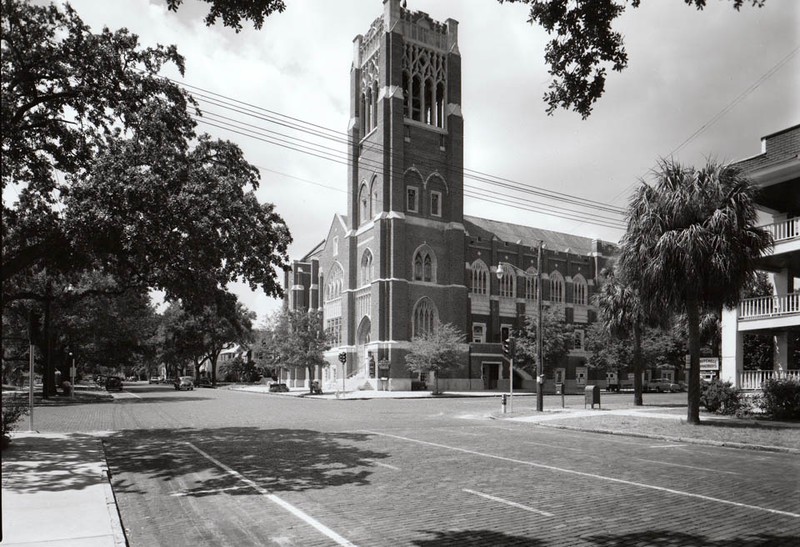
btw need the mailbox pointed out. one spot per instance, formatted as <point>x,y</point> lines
<point>592,396</point>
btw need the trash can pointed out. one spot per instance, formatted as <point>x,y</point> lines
<point>592,396</point>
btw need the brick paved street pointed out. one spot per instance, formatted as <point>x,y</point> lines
<point>233,468</point>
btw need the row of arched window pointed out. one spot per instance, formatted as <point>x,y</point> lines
<point>507,284</point>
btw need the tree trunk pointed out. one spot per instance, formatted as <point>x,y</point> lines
<point>693,323</point>
<point>637,365</point>
<point>214,372</point>
<point>310,369</point>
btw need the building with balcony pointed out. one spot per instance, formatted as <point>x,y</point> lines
<point>776,171</point>
<point>405,256</point>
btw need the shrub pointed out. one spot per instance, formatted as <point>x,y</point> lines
<point>721,397</point>
<point>15,406</point>
<point>780,398</point>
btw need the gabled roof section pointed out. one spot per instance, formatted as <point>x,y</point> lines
<point>319,247</point>
<point>528,235</point>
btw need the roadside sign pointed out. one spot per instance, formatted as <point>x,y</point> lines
<point>706,363</point>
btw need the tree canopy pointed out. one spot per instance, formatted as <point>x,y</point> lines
<point>109,174</point>
<point>557,339</point>
<point>297,340</point>
<point>437,350</point>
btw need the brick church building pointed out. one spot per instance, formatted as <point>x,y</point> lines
<point>406,257</point>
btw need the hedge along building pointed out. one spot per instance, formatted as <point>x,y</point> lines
<point>405,257</point>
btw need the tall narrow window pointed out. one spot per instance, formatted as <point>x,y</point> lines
<point>480,278</point>
<point>440,105</point>
<point>363,203</point>
<point>411,199</point>
<point>436,204</point>
<point>556,287</point>
<point>416,98</point>
<point>579,290</point>
<point>428,103</point>
<point>366,268</point>
<point>530,284</point>
<point>374,116</point>
<point>406,95</point>
<point>508,283</point>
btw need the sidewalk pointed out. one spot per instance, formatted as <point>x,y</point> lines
<point>55,492</point>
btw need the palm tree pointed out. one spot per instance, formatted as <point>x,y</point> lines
<point>623,315</point>
<point>693,244</point>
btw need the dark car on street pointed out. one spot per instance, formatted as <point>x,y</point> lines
<point>113,383</point>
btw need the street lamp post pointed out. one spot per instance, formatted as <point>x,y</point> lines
<point>539,330</point>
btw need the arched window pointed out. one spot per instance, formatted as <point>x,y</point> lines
<point>556,287</point>
<point>530,284</point>
<point>425,317</point>
<point>374,116</point>
<point>480,278</point>
<point>333,289</point>
<point>580,290</point>
<point>424,265</point>
<point>363,120</point>
<point>366,267</point>
<point>508,283</point>
<point>363,203</point>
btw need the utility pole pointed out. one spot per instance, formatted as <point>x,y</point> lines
<point>539,330</point>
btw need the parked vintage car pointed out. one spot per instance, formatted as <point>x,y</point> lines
<point>113,383</point>
<point>154,380</point>
<point>662,385</point>
<point>184,382</point>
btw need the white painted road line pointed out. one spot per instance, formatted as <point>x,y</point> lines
<point>507,502</point>
<point>666,446</point>
<point>376,462</point>
<point>275,499</point>
<point>687,466</point>
<point>589,475</point>
<point>551,446</point>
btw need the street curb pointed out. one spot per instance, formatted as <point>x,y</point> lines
<point>117,530</point>
<point>689,440</point>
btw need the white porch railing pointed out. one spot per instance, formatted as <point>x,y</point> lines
<point>782,231</point>
<point>753,379</point>
<point>769,306</point>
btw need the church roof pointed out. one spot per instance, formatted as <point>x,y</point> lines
<point>528,235</point>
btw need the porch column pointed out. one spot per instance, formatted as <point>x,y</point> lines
<point>731,348</point>
<point>781,359</point>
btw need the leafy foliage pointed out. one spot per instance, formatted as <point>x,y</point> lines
<point>693,242</point>
<point>439,350</point>
<point>232,12</point>
<point>109,173</point>
<point>15,406</point>
<point>780,398</point>
<point>297,339</point>
<point>584,47</point>
<point>557,336</point>
<point>194,336</point>
<point>721,397</point>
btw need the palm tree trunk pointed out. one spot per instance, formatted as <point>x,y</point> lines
<point>693,323</point>
<point>637,365</point>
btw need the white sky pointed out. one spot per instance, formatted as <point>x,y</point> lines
<point>685,68</point>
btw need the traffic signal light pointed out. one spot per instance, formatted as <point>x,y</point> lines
<point>507,348</point>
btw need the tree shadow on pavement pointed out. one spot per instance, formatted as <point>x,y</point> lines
<point>474,538</point>
<point>663,538</point>
<point>277,460</point>
<point>52,463</point>
<point>164,399</point>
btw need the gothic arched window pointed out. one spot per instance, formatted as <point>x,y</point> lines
<point>335,283</point>
<point>366,267</point>
<point>556,287</point>
<point>425,317</point>
<point>363,203</point>
<point>424,265</point>
<point>480,278</point>
<point>508,283</point>
<point>580,290</point>
<point>530,284</point>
